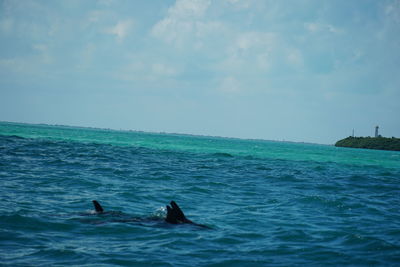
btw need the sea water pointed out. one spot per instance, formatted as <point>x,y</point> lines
<point>267,203</point>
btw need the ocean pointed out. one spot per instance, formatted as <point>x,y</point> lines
<point>265,203</point>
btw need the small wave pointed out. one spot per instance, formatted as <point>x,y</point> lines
<point>223,155</point>
<point>198,190</point>
<point>229,241</point>
<point>264,168</point>
<point>12,137</point>
<point>293,235</point>
<point>61,256</point>
<point>33,223</point>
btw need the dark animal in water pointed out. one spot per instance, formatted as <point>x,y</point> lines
<point>174,214</point>
<point>97,206</point>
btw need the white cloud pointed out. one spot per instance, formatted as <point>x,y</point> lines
<point>14,64</point>
<point>240,4</point>
<point>40,47</point>
<point>392,19</point>
<point>121,29</point>
<point>295,58</point>
<point>147,71</point>
<point>32,64</point>
<point>163,69</point>
<point>315,27</point>
<point>44,56</point>
<point>184,9</point>
<point>186,22</point>
<point>393,9</point>
<point>230,85</point>
<point>251,40</point>
<point>25,66</point>
<point>249,49</point>
<point>95,16</point>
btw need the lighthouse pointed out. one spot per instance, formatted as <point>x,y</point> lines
<point>376,131</point>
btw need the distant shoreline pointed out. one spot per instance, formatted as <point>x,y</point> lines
<point>379,143</point>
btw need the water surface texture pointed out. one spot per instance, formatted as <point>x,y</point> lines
<point>268,203</point>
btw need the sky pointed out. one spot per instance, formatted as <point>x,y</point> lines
<point>293,70</point>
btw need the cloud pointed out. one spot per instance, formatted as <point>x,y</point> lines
<point>147,71</point>
<point>25,66</point>
<point>189,9</point>
<point>40,47</point>
<point>161,69</point>
<point>186,22</point>
<point>295,57</point>
<point>230,85</point>
<point>12,64</point>
<point>393,9</point>
<point>254,40</point>
<point>240,4</point>
<point>44,56</point>
<point>316,27</point>
<point>249,50</point>
<point>95,16</point>
<point>391,20</point>
<point>121,29</point>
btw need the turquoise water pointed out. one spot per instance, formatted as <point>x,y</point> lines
<point>267,203</point>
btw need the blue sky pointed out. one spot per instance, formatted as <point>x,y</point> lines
<point>306,70</point>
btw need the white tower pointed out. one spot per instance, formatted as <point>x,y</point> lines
<point>376,131</point>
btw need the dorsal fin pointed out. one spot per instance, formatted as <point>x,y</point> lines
<point>175,215</point>
<point>97,206</point>
<point>171,216</point>
<point>178,212</point>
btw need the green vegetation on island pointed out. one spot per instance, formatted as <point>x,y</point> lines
<point>382,143</point>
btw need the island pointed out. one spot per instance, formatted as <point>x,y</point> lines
<point>381,143</point>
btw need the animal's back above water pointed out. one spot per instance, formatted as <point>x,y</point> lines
<point>174,215</point>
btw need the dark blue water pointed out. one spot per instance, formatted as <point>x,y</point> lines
<point>268,203</point>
